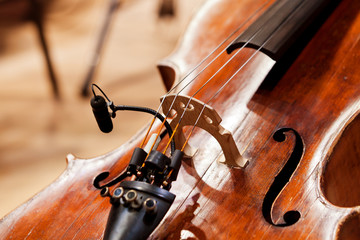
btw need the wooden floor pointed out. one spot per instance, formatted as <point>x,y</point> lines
<point>36,131</point>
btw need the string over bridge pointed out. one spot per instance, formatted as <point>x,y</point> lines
<point>209,121</point>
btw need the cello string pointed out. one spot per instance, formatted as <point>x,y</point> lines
<point>205,104</point>
<point>207,82</point>
<point>221,88</point>
<point>227,82</point>
<point>196,67</point>
<point>170,108</point>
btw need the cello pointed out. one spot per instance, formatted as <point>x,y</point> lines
<point>282,104</point>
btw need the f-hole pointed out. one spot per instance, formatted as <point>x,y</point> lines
<point>280,181</point>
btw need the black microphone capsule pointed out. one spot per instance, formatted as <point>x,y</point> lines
<point>101,113</point>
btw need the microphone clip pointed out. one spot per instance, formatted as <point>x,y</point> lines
<point>103,117</point>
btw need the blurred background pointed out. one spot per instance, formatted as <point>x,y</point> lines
<point>38,130</point>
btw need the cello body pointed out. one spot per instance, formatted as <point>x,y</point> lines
<point>297,124</point>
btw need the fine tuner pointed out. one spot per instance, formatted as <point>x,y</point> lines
<point>140,204</point>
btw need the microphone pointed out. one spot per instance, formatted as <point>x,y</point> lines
<point>101,114</point>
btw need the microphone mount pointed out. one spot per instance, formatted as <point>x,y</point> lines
<point>115,108</point>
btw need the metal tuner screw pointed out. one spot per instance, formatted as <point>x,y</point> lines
<point>150,206</point>
<point>130,196</point>
<point>118,193</point>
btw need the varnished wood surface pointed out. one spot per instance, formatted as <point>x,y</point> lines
<point>318,97</point>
